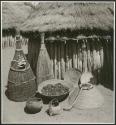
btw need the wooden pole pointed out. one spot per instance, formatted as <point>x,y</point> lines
<point>94,55</point>
<point>51,54</point>
<point>112,62</point>
<point>70,54</point>
<point>111,58</point>
<point>11,40</point>
<point>101,59</point>
<point>84,57</point>
<point>74,55</point>
<point>104,61</point>
<point>108,61</point>
<point>59,70</point>
<point>101,54</point>
<point>88,56</point>
<point>78,52</point>
<point>98,60</point>
<point>106,64</point>
<point>67,57</point>
<point>79,56</point>
<point>55,60</point>
<point>62,60</point>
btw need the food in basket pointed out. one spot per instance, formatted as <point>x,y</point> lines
<point>54,90</point>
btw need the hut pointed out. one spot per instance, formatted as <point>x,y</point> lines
<point>77,35</point>
<point>13,15</point>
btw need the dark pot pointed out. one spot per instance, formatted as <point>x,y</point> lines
<point>34,105</point>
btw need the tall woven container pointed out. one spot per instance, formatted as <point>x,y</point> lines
<point>44,68</point>
<point>21,80</point>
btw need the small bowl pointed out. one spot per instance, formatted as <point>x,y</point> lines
<point>33,105</point>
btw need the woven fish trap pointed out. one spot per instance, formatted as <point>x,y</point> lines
<point>21,82</point>
<point>89,99</point>
<point>72,75</point>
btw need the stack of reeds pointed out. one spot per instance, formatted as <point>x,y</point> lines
<point>21,80</point>
<point>44,69</point>
<point>9,41</point>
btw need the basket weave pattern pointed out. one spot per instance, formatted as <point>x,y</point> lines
<point>21,92</point>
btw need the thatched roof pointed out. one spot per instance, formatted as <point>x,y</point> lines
<point>53,16</point>
<point>14,14</point>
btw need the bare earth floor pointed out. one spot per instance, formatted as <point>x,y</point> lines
<point>13,112</point>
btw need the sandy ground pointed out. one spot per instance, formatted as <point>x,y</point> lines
<point>13,112</point>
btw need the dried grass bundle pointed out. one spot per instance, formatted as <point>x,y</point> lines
<point>44,69</point>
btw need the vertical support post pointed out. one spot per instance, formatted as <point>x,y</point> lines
<point>62,61</point>
<point>42,37</point>
<point>55,60</point>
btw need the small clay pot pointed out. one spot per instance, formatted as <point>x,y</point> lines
<point>34,105</point>
<point>54,107</point>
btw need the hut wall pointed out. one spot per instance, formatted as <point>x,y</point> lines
<point>96,57</point>
<point>33,51</point>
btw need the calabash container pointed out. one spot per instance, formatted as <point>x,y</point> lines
<point>54,107</point>
<point>34,105</point>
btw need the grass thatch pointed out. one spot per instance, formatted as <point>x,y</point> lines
<point>53,16</point>
<point>14,14</point>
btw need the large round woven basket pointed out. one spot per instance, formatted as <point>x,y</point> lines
<point>88,99</point>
